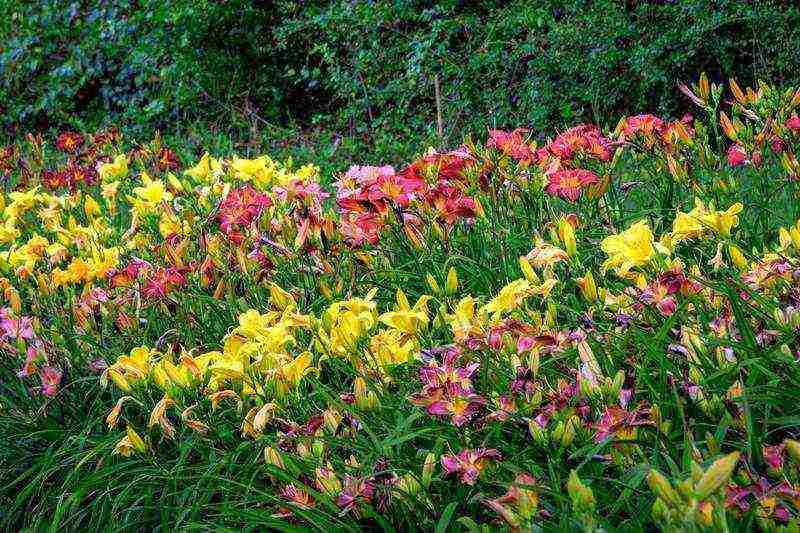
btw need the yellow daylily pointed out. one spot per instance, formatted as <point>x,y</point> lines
<point>391,347</point>
<point>701,219</point>
<point>153,192</point>
<point>631,248</point>
<point>407,319</point>
<point>206,169</point>
<point>115,170</point>
<point>509,298</point>
<point>289,374</point>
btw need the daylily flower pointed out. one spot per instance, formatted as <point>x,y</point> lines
<point>570,183</point>
<point>512,144</point>
<point>206,169</point>
<point>115,170</point>
<point>736,155</point>
<point>520,502</point>
<point>631,248</point>
<point>509,298</point>
<point>51,378</point>
<point>469,464</point>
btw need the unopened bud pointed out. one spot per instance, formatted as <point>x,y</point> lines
<point>663,488</point>
<point>427,469</point>
<point>716,476</point>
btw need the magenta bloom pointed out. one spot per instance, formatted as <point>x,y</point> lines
<point>51,378</point>
<point>459,407</point>
<point>469,464</point>
<point>355,490</point>
<point>736,156</point>
<point>773,456</point>
<point>447,389</point>
<point>793,123</point>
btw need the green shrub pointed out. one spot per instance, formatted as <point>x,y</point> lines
<point>366,70</point>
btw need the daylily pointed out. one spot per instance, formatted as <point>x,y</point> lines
<point>520,502</point>
<point>509,298</point>
<point>115,170</point>
<point>289,374</point>
<point>469,464</point>
<point>631,248</point>
<point>569,184</point>
<point>206,169</point>
<point>407,319</point>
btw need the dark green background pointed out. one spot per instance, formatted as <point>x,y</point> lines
<point>354,78</point>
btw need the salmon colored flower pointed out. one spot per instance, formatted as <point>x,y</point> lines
<point>51,378</point>
<point>736,155</point>
<point>570,183</point>
<point>512,144</point>
<point>241,207</point>
<point>520,502</point>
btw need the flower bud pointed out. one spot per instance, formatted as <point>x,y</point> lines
<point>537,432</point>
<point>435,289</point>
<point>793,449</point>
<point>663,489</point>
<point>716,476</point>
<point>569,431</point>
<point>567,234</point>
<point>588,287</point>
<point>365,398</point>
<point>273,457</point>
<point>332,418</point>
<point>427,469</point>
<point>327,482</point>
<point>451,285</point>
<point>737,257</point>
<point>409,485</point>
<point>581,495</point>
<point>527,270</point>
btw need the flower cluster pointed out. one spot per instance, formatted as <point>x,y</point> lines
<point>495,325</point>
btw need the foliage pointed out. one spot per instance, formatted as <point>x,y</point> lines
<point>596,332</point>
<point>365,71</point>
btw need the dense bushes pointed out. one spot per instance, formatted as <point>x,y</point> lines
<point>358,67</point>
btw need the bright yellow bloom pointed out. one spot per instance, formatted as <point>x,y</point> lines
<point>631,248</point>
<point>153,192</point>
<point>407,319</point>
<point>20,202</point>
<point>260,171</point>
<point>8,231</point>
<point>346,321</point>
<point>289,374</point>
<point>509,298</point>
<point>464,321</point>
<point>91,207</point>
<point>391,347</point>
<point>79,271</point>
<point>700,219</point>
<point>115,170</point>
<point>206,169</point>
